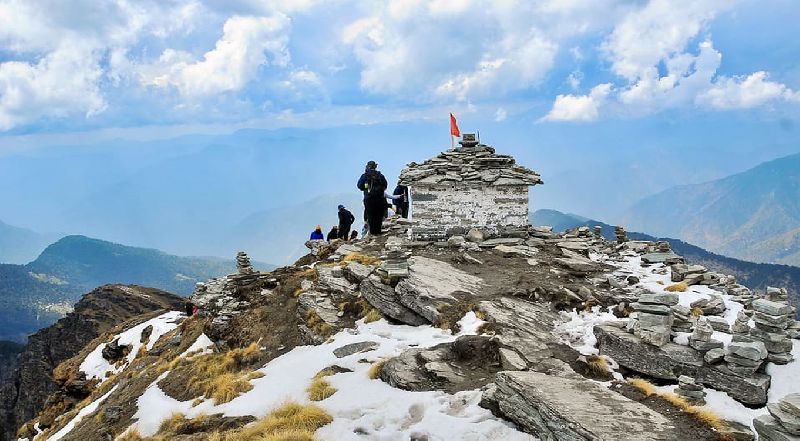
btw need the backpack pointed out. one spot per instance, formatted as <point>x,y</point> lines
<point>375,185</point>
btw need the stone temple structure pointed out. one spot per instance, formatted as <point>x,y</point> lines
<point>468,187</point>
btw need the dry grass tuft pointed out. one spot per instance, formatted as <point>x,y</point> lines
<point>172,424</point>
<point>320,388</point>
<point>678,287</point>
<point>130,435</point>
<point>362,258</point>
<point>372,316</point>
<point>221,376</point>
<point>291,421</point>
<point>226,387</point>
<point>319,326</point>
<point>255,375</point>
<point>644,386</point>
<point>697,312</point>
<point>598,365</point>
<point>708,418</point>
<point>375,370</point>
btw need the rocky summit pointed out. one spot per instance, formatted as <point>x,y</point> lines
<point>539,335</point>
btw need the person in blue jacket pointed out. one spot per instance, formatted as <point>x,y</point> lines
<point>373,184</point>
<point>317,234</point>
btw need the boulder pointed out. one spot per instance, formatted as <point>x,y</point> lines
<point>771,308</point>
<point>523,326</point>
<point>769,429</point>
<point>475,235</point>
<point>753,351</point>
<point>354,348</point>
<point>666,298</point>
<point>554,408</point>
<point>791,423</point>
<point>791,403</point>
<point>432,284</point>
<point>383,298</point>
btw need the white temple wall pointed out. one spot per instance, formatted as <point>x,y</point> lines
<point>439,209</point>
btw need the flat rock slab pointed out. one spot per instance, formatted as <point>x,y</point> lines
<point>384,298</point>
<point>354,348</point>
<point>431,284</point>
<point>555,408</point>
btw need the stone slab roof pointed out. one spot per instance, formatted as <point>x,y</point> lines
<point>473,165</point>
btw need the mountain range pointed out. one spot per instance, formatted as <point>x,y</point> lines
<point>21,245</point>
<point>753,215</point>
<point>753,275</point>
<point>38,293</point>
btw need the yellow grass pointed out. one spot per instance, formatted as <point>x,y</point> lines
<point>678,287</point>
<point>375,370</point>
<point>297,292</point>
<point>643,385</point>
<point>697,312</point>
<point>219,375</point>
<point>226,387</point>
<point>319,326</point>
<point>255,375</point>
<point>320,388</point>
<point>362,258</point>
<point>372,316</point>
<point>171,424</point>
<point>131,435</point>
<point>291,421</point>
<point>598,365</point>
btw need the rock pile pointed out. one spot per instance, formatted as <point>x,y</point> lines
<point>395,259</point>
<point>701,339</point>
<point>682,318</point>
<point>598,232</point>
<point>710,306</point>
<point>655,317</point>
<point>782,422</point>
<point>692,392</point>
<point>742,324</point>
<point>771,321</point>
<point>745,358</point>
<point>622,236</point>
<point>243,264</point>
<point>479,165</point>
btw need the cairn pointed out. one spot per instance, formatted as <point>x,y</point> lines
<point>701,339</point>
<point>771,322</point>
<point>243,264</point>
<point>742,324</point>
<point>655,317</point>
<point>662,246</point>
<point>741,294</point>
<point>598,232</point>
<point>780,295</point>
<point>395,259</point>
<point>690,391</point>
<point>682,319</point>
<point>745,358</point>
<point>622,236</point>
<point>783,420</point>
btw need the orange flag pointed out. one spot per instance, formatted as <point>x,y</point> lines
<point>453,126</point>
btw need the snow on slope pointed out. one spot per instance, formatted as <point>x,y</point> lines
<point>361,404</point>
<point>88,410</point>
<point>95,366</point>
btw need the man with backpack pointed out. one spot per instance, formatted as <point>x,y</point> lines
<point>346,220</point>
<point>373,184</point>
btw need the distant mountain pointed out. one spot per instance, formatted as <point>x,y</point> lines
<point>753,275</point>
<point>754,215</point>
<point>20,245</point>
<point>34,295</point>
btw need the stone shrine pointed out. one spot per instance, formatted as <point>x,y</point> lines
<point>468,187</point>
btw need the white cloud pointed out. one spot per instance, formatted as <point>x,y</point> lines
<point>745,92</point>
<point>579,107</point>
<point>500,114</point>
<point>246,44</point>
<point>62,83</point>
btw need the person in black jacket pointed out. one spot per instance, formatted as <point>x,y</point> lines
<point>373,184</point>
<point>401,204</point>
<point>346,220</point>
<point>333,234</point>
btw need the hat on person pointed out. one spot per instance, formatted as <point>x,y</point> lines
<point>319,227</point>
<point>340,206</point>
<point>372,165</point>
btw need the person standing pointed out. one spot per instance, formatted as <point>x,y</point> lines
<point>401,204</point>
<point>333,234</point>
<point>373,184</point>
<point>346,220</point>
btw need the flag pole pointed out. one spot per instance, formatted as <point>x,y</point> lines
<point>450,130</point>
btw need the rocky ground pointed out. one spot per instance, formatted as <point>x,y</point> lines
<point>544,335</point>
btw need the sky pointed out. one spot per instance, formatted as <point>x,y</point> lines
<point>106,105</point>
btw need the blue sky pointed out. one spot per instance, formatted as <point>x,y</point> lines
<point>115,66</point>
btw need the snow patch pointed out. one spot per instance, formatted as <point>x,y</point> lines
<point>578,329</point>
<point>95,366</point>
<point>81,414</point>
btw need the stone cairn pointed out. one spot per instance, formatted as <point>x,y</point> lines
<point>598,232</point>
<point>783,420</point>
<point>781,295</point>
<point>772,318</point>
<point>701,339</point>
<point>742,324</point>
<point>655,317</point>
<point>622,236</point>
<point>745,358</point>
<point>682,319</point>
<point>243,264</point>
<point>395,258</point>
<point>692,392</point>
